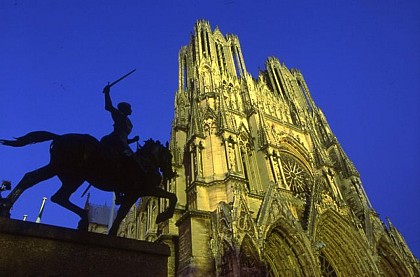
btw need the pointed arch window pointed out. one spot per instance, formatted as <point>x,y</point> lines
<point>246,167</point>
<point>279,78</point>
<point>237,60</point>
<point>221,60</point>
<point>305,95</point>
<point>203,42</point>
<point>184,72</point>
<point>208,44</point>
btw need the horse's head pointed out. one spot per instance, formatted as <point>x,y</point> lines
<point>159,155</point>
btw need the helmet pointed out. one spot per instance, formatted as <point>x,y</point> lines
<point>124,107</point>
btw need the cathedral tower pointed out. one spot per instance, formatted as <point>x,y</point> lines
<point>264,187</point>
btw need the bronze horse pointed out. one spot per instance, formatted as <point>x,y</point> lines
<point>76,158</point>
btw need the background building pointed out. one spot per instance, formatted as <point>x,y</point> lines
<point>263,185</point>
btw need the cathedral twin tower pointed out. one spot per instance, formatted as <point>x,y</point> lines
<point>264,187</point>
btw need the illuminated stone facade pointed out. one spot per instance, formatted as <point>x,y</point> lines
<point>264,187</point>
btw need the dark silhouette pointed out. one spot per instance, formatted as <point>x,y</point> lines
<point>76,158</point>
<point>117,141</point>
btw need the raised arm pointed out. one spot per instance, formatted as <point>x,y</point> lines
<point>108,101</point>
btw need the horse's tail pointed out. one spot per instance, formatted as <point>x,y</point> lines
<point>32,137</point>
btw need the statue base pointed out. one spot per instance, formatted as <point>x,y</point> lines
<point>33,249</point>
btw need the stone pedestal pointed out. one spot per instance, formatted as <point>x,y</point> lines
<point>31,249</point>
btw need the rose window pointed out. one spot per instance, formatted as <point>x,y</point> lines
<point>296,177</point>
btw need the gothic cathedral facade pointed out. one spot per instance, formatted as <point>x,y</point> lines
<point>264,187</point>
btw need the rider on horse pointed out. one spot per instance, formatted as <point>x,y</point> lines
<point>117,141</point>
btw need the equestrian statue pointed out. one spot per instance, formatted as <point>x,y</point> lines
<point>108,164</point>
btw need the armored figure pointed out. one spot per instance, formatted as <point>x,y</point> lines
<point>117,141</point>
<point>109,165</point>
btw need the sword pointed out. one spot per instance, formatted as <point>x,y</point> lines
<point>126,75</point>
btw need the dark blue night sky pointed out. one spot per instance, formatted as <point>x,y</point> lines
<point>360,60</point>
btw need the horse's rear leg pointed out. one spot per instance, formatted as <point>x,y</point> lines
<point>62,198</point>
<point>29,179</point>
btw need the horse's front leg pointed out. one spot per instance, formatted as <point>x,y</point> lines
<point>169,212</point>
<point>127,202</point>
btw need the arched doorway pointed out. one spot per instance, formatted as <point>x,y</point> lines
<point>287,252</point>
<point>343,252</point>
